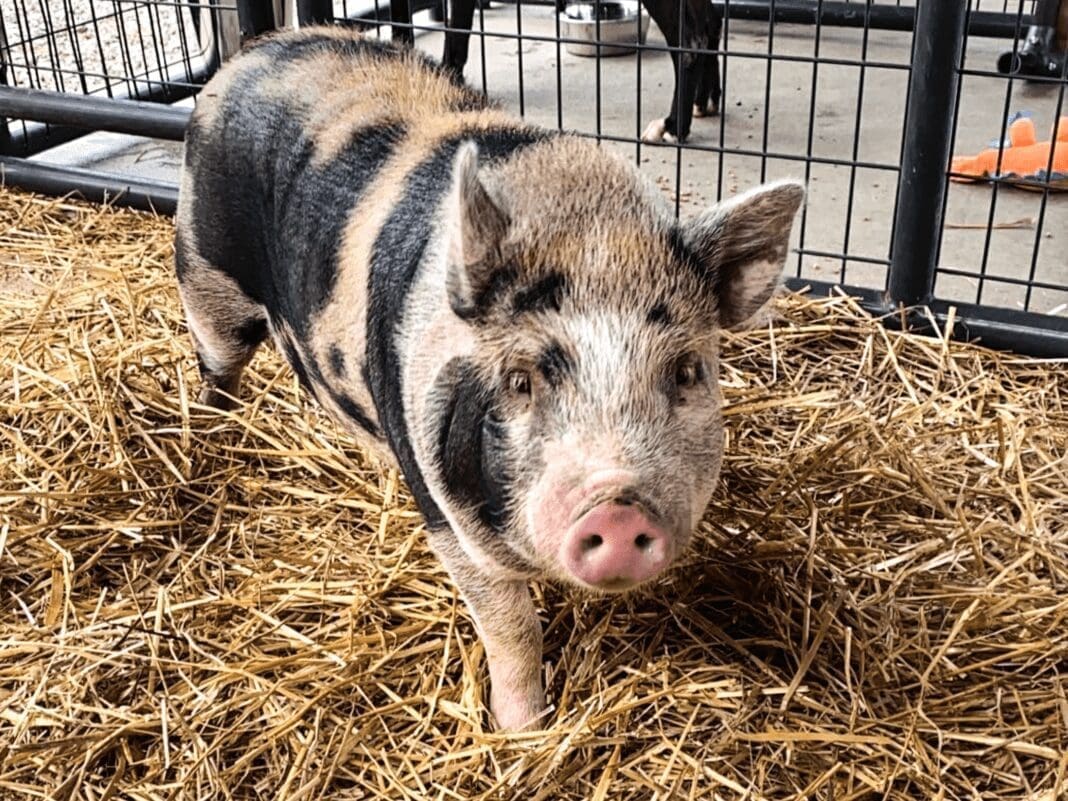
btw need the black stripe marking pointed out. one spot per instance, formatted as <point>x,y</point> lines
<point>490,295</point>
<point>395,261</point>
<point>311,378</point>
<point>547,294</point>
<point>297,363</point>
<point>315,212</point>
<point>337,361</point>
<point>354,411</point>
<point>472,448</point>
<point>252,332</point>
<point>554,364</point>
<point>659,315</point>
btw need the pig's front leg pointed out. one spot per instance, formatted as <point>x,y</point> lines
<point>510,631</point>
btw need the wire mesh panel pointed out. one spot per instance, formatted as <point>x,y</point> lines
<point>145,49</point>
<point>115,47</point>
<point>823,90</point>
<point>1005,241</point>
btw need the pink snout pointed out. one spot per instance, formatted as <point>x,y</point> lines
<point>615,547</point>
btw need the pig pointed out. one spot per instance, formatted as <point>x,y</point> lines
<point>511,316</point>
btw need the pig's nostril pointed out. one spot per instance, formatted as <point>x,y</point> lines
<point>591,543</point>
<point>643,541</point>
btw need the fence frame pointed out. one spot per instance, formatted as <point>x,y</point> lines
<point>908,301</point>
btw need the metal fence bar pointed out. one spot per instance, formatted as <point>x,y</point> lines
<point>95,113</point>
<point>6,145</point>
<point>1000,329</point>
<point>314,11</point>
<point>255,17</point>
<point>922,182</point>
<point>92,185</point>
<point>865,15</point>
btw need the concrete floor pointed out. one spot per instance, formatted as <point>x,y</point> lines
<point>784,126</point>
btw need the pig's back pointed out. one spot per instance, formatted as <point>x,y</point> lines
<point>285,140</point>
<point>316,163</point>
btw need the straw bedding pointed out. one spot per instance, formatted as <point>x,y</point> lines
<point>242,606</point>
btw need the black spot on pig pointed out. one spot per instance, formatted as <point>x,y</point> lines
<point>252,332</point>
<point>545,295</point>
<point>395,259</point>
<point>554,363</point>
<point>337,361</point>
<point>490,296</point>
<point>314,213</point>
<point>472,447</point>
<point>659,315</point>
<point>291,268</point>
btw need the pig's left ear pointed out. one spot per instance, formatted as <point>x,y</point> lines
<point>741,246</point>
<point>477,230</point>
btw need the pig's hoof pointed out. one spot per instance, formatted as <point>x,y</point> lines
<point>700,111</point>
<point>655,131</point>
<point>211,396</point>
<point>513,714</point>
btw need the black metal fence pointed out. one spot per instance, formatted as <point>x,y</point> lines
<point>867,101</point>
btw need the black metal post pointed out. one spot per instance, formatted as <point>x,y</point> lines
<point>921,186</point>
<point>95,113</point>
<point>6,146</point>
<point>50,179</point>
<point>864,15</point>
<point>310,12</point>
<point>254,17</point>
<point>33,139</point>
<point>1030,333</point>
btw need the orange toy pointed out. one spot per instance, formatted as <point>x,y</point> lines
<point>1023,162</point>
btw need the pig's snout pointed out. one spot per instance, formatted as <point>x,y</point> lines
<point>613,547</point>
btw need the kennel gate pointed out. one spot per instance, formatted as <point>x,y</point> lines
<point>72,67</point>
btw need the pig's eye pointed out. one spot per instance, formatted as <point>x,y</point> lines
<point>519,383</point>
<point>689,371</point>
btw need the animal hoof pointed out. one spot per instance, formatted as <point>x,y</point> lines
<point>655,131</point>
<point>517,714</point>
<point>700,111</point>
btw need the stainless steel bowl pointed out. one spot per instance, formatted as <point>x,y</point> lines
<point>618,31</point>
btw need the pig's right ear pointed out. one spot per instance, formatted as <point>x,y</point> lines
<point>477,230</point>
<point>741,245</point>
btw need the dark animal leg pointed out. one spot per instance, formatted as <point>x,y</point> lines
<point>665,13</point>
<point>400,13</point>
<point>706,100</point>
<point>226,326</point>
<point>678,121</point>
<point>457,41</point>
<point>696,74</point>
